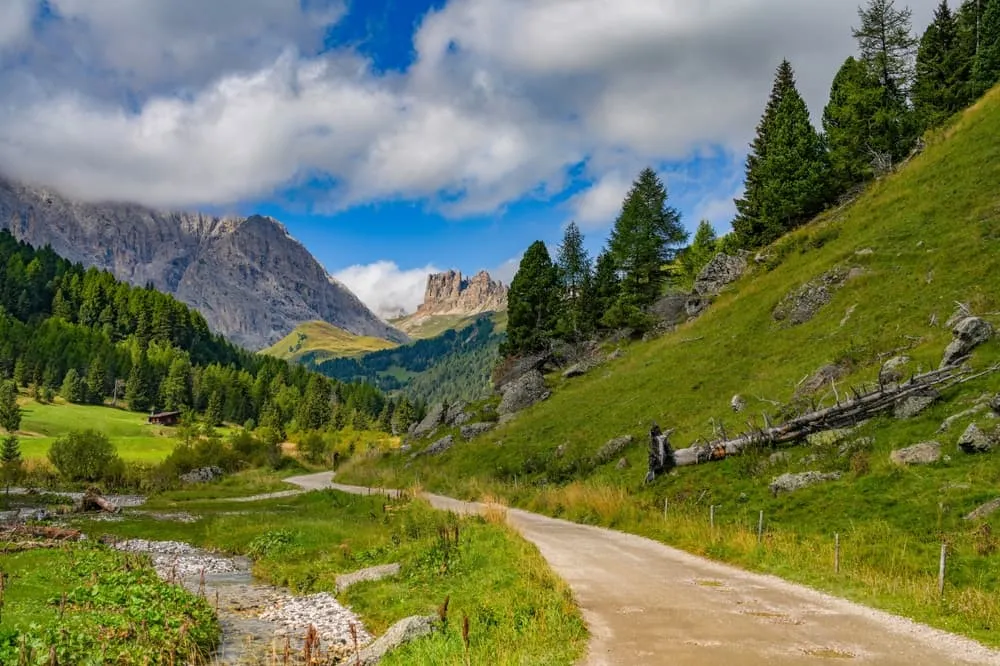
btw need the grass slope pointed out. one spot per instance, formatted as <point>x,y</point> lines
<point>933,231</point>
<point>424,328</point>
<point>319,340</point>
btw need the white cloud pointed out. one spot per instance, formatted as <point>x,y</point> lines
<point>599,205</point>
<point>15,21</point>
<point>506,271</point>
<point>385,288</point>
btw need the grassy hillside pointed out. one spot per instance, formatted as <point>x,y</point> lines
<point>317,341</point>
<point>435,325</point>
<point>921,240</point>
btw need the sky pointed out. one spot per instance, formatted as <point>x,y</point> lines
<point>400,137</point>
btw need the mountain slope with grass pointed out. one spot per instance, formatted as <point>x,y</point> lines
<point>317,341</point>
<point>881,277</point>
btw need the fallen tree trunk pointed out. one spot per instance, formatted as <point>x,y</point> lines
<point>861,407</point>
<point>51,533</point>
<point>93,501</point>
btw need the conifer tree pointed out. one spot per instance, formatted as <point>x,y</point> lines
<point>20,372</point>
<point>73,389</point>
<point>938,88</point>
<point>532,303</point>
<point>701,251</point>
<point>606,288</point>
<point>574,277</point>
<point>138,387</point>
<point>986,68</point>
<point>10,461</point>
<point>175,392</point>
<point>214,410</point>
<point>96,382</point>
<point>10,411</point>
<point>968,24</point>
<point>848,122</point>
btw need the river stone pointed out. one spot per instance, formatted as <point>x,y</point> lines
<point>985,510</point>
<point>440,446</point>
<point>969,333</point>
<point>435,417</point>
<point>402,632</point>
<point>974,440</point>
<point>613,449</point>
<point>923,453</point>
<point>476,429</point>
<point>913,405</point>
<point>344,581</point>
<point>202,475</point>
<point>523,393</point>
<point>892,371</point>
<point>787,483</point>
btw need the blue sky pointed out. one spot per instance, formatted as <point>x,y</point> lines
<point>395,137</point>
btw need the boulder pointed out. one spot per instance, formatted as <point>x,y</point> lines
<point>923,453</point>
<point>671,309</point>
<point>455,414</point>
<point>616,354</point>
<point>344,581</point>
<point>985,510</point>
<point>435,417</point>
<point>975,440</point>
<point>404,631</point>
<point>578,369</point>
<point>954,418</point>
<point>440,446</point>
<point>622,464</point>
<point>513,370</point>
<point>801,305</point>
<point>893,370</point>
<point>613,449</point>
<point>968,333</point>
<point>859,444</point>
<point>202,475</point>
<point>913,405</point>
<point>721,271</point>
<point>523,393</point>
<point>787,483</point>
<point>738,403</point>
<point>476,429</point>
<point>995,404</point>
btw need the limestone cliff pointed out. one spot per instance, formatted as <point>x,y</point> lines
<point>250,279</point>
<point>449,294</point>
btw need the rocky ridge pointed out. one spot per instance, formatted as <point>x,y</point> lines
<point>449,293</point>
<point>248,277</point>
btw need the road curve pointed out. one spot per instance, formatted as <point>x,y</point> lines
<point>647,603</point>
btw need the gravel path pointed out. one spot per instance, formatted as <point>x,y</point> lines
<point>647,603</point>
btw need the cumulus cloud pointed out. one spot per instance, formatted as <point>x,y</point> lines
<point>234,101</point>
<point>15,21</point>
<point>386,288</point>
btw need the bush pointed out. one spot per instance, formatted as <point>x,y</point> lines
<point>313,447</point>
<point>86,455</point>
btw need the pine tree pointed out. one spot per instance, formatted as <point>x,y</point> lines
<point>968,20</point>
<point>316,408</point>
<point>10,412</point>
<point>532,303</point>
<point>574,277</point>
<point>20,372</point>
<point>175,391</point>
<point>847,124</point>
<point>73,389</point>
<point>10,461</point>
<point>138,387</point>
<point>703,248</point>
<point>938,88</point>
<point>986,67</point>
<point>646,236</point>
<point>214,410</point>
<point>96,382</point>
<point>606,288</point>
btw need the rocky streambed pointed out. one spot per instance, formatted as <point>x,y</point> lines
<point>258,621</point>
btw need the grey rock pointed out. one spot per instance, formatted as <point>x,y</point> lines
<point>202,475</point>
<point>892,371</point>
<point>721,271</point>
<point>440,446</point>
<point>523,393</point>
<point>613,449</point>
<point>433,419</point>
<point>671,310</point>
<point>985,510</point>
<point>576,370</point>
<point>975,440</point>
<point>622,464</point>
<point>738,403</point>
<point>860,444</point>
<point>455,413</point>
<point>560,450</point>
<point>968,333</point>
<point>476,429</point>
<point>344,581</point>
<point>828,437</point>
<point>805,302</point>
<point>787,483</point>
<point>450,293</point>
<point>779,457</point>
<point>954,418</point>
<point>515,369</point>
<point>913,405</point>
<point>404,631</point>
<point>616,354</point>
<point>923,453</point>
<point>995,404</point>
<point>248,277</point>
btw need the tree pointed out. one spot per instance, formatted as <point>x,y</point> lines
<point>938,88</point>
<point>175,391</point>
<point>703,248</point>
<point>86,455</point>
<point>316,408</point>
<point>73,389</point>
<point>96,382</point>
<point>10,411</point>
<point>138,388</point>
<point>986,67</point>
<point>10,461</point>
<point>532,303</point>
<point>605,289</point>
<point>968,22</point>
<point>20,372</point>
<point>645,236</point>
<point>848,124</point>
<point>787,169</point>
<point>574,277</point>
<point>214,412</point>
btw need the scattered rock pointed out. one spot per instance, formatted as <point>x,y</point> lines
<point>860,444</point>
<point>954,418</point>
<point>787,483</point>
<point>613,449</point>
<point>779,457</point>
<point>622,464</point>
<point>331,620</point>
<point>923,453</point>
<point>616,354</point>
<point>721,271</point>
<point>864,252</point>
<point>985,510</point>
<point>455,414</point>
<point>893,370</point>
<point>174,560</point>
<point>671,309</point>
<point>974,440</point>
<point>802,304</point>
<point>738,403</point>
<point>202,475</point>
<point>440,446</point>
<point>828,437</point>
<point>560,451</point>
<point>435,417</point>
<point>995,404</point>
<point>476,429</point>
<point>513,370</point>
<point>913,405</point>
<point>404,631</point>
<point>969,333</point>
<point>523,393</point>
<point>820,379</point>
<point>344,581</point>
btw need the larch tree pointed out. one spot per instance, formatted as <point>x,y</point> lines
<point>575,281</point>
<point>532,303</point>
<point>848,120</point>
<point>938,86</point>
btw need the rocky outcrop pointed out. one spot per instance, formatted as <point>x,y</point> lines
<point>450,294</point>
<point>202,475</point>
<point>985,511</point>
<point>440,446</point>
<point>923,453</point>
<point>787,483</point>
<point>976,440</point>
<point>344,581</point>
<point>721,271</point>
<point>894,369</point>
<point>802,304</point>
<point>248,277</point>
<point>613,449</point>
<point>404,631</point>
<point>913,405</point>
<point>969,333</point>
<point>474,430</point>
<point>434,418</point>
<point>523,393</point>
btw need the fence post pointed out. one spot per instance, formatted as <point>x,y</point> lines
<point>836,553</point>
<point>941,567</point>
<point>666,503</point>
<point>760,527</point>
<point>711,516</point>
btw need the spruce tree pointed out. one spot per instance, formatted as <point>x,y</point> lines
<point>10,412</point>
<point>938,87</point>
<point>574,277</point>
<point>175,392</point>
<point>847,124</point>
<point>968,20</point>
<point>20,373</point>
<point>606,288</point>
<point>138,387</point>
<point>532,303</point>
<point>10,461</point>
<point>986,67</point>
<point>701,251</point>
<point>646,236</point>
<point>73,389</point>
<point>96,382</point>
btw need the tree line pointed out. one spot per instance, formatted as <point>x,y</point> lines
<point>882,100</point>
<point>90,338</point>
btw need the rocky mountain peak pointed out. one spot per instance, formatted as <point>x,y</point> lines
<point>449,293</point>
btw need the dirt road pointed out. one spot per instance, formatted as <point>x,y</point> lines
<point>647,603</point>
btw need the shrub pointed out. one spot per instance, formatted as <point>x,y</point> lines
<point>313,447</point>
<point>86,455</point>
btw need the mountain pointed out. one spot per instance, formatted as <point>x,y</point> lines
<point>317,341</point>
<point>451,302</point>
<point>248,277</point>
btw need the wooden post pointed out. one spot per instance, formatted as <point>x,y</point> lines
<point>711,516</point>
<point>760,527</point>
<point>666,503</point>
<point>941,566</point>
<point>836,553</point>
